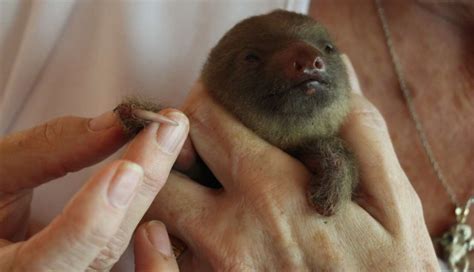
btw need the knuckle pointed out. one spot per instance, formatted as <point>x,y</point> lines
<point>110,254</point>
<point>393,176</point>
<point>48,135</point>
<point>197,111</point>
<point>198,102</point>
<point>416,201</point>
<point>151,184</point>
<point>394,187</point>
<point>405,190</point>
<point>52,130</point>
<point>43,135</point>
<point>332,259</point>
<point>412,203</point>
<point>368,115</point>
<point>373,120</point>
<point>80,230</point>
<point>404,206</point>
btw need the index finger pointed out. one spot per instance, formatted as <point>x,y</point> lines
<point>51,150</point>
<point>385,191</point>
<point>228,147</point>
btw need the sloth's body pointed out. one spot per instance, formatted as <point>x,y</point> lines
<point>282,77</point>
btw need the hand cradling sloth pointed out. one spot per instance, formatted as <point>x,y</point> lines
<point>286,82</point>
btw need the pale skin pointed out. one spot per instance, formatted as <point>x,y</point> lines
<point>259,220</point>
<point>434,42</point>
<point>96,226</point>
<point>401,227</point>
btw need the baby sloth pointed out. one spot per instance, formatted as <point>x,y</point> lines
<point>283,78</point>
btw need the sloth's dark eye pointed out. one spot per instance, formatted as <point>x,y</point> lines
<point>252,57</point>
<point>329,48</point>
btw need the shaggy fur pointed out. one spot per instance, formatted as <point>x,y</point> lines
<point>244,73</point>
<point>132,124</point>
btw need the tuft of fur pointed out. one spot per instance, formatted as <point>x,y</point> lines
<point>132,124</point>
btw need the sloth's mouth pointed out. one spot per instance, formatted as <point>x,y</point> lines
<point>308,86</point>
<point>312,86</point>
<point>299,98</point>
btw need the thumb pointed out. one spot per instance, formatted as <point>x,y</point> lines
<point>76,237</point>
<point>153,248</point>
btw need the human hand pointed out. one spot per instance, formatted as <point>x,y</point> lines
<point>261,219</point>
<point>97,224</point>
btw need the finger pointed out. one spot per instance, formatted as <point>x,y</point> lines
<point>51,150</point>
<point>155,148</point>
<point>187,157</point>
<point>353,79</point>
<point>14,214</point>
<point>153,248</point>
<point>385,190</point>
<point>181,204</point>
<point>8,256</point>
<point>187,262</point>
<point>4,243</point>
<point>218,138</point>
<point>75,238</point>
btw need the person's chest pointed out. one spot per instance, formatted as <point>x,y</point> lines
<point>443,96</point>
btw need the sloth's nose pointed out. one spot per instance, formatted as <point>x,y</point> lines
<point>301,60</point>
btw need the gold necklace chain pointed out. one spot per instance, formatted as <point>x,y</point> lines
<point>411,107</point>
<point>458,241</point>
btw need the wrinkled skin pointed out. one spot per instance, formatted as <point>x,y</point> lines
<point>96,226</point>
<point>260,220</point>
<point>437,61</point>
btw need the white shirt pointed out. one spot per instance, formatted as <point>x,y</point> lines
<point>80,57</point>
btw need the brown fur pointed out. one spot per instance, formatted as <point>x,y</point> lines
<point>304,126</point>
<point>132,124</point>
<point>259,94</point>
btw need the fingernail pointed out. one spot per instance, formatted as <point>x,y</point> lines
<point>158,237</point>
<point>169,137</point>
<point>353,80</point>
<point>122,187</point>
<point>103,121</point>
<point>154,117</point>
